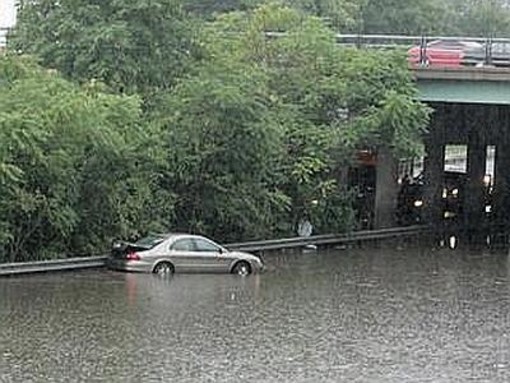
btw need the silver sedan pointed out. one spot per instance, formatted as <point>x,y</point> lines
<point>169,253</point>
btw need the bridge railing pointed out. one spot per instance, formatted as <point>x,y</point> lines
<point>472,51</point>
<point>424,50</point>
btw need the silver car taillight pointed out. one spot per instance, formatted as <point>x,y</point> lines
<point>132,257</point>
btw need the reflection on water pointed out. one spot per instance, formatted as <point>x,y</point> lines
<point>370,315</point>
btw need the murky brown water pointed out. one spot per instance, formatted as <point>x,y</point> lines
<point>345,316</point>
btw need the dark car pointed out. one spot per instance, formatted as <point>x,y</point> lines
<point>495,54</point>
<point>410,202</point>
<point>410,199</point>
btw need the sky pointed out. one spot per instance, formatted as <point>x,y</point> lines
<point>7,13</point>
<point>7,17</point>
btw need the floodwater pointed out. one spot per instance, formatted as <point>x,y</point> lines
<point>359,315</point>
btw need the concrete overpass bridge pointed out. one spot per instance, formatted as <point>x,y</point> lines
<point>471,108</point>
<point>470,97</point>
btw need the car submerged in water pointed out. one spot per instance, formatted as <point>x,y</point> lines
<point>166,254</point>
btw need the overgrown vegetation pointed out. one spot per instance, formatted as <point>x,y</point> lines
<point>477,18</point>
<point>487,18</point>
<point>218,130</point>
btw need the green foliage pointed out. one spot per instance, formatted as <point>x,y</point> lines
<point>208,9</point>
<point>321,101</point>
<point>479,18</point>
<point>133,46</point>
<point>73,174</point>
<point>240,144</point>
<point>434,17</point>
<point>223,147</point>
<point>412,17</point>
<point>339,14</point>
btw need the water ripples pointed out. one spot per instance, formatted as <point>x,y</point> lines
<point>358,315</point>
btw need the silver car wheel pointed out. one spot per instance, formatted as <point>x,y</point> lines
<point>242,268</point>
<point>163,268</point>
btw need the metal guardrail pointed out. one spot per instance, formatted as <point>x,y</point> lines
<point>473,51</point>
<point>80,263</point>
<point>52,265</point>
<point>329,239</point>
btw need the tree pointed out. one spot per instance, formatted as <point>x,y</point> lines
<point>208,9</point>
<point>75,171</point>
<point>489,18</point>
<point>224,146</point>
<point>434,17</point>
<point>133,46</point>
<point>318,101</point>
<point>338,14</point>
<point>250,141</point>
<point>411,17</point>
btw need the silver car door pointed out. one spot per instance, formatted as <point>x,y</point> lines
<point>213,258</point>
<point>183,256</point>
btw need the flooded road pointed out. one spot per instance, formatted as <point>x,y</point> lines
<point>346,315</point>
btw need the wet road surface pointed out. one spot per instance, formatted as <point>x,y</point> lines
<point>359,315</point>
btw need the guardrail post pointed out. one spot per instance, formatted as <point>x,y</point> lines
<point>423,51</point>
<point>359,41</point>
<point>488,51</point>
<point>474,197</point>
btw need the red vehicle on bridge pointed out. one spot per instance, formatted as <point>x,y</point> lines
<point>441,53</point>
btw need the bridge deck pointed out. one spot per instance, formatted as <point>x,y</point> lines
<point>485,85</point>
<point>462,73</point>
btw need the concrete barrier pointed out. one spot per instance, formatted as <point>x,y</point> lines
<point>273,244</point>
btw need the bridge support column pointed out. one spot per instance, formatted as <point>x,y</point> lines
<point>434,173</point>
<point>386,189</point>
<point>501,192</point>
<point>474,196</point>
